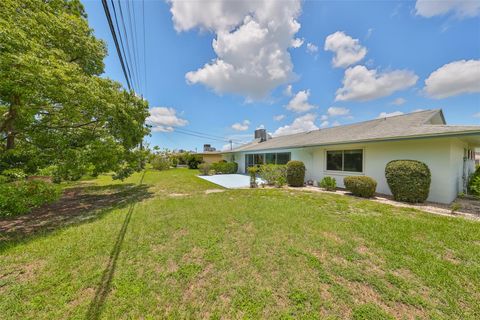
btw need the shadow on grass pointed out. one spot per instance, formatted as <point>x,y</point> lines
<point>77,205</point>
<point>101,294</point>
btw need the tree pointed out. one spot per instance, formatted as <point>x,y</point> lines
<point>55,107</point>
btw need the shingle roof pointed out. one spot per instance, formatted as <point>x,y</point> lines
<point>417,124</point>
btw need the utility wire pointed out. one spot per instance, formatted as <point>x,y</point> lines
<point>130,27</point>
<point>115,40</point>
<point>144,51</point>
<point>135,47</point>
<point>120,35</point>
<point>127,43</point>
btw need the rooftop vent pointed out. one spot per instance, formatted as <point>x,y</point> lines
<point>261,134</point>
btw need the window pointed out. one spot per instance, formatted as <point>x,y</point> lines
<point>345,160</point>
<point>283,158</point>
<point>268,158</point>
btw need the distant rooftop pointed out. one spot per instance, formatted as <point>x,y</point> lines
<point>428,123</point>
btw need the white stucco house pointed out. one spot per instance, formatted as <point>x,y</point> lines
<point>365,148</point>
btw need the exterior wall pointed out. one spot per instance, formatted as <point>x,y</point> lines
<point>211,158</point>
<point>444,157</point>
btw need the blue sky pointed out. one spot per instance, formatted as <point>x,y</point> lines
<point>293,66</point>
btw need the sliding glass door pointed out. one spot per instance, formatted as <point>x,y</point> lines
<point>257,159</point>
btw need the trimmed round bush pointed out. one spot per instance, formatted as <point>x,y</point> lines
<point>360,186</point>
<point>409,180</point>
<point>295,173</point>
<point>224,167</point>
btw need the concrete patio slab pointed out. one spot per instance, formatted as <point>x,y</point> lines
<point>230,181</point>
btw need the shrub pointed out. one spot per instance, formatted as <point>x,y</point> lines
<point>273,174</point>
<point>160,162</point>
<point>14,174</point>
<point>204,168</point>
<point>193,160</point>
<point>295,173</point>
<point>471,185</point>
<point>225,167</point>
<point>21,196</point>
<point>252,171</point>
<point>328,183</point>
<point>475,185</point>
<point>409,180</point>
<point>360,186</point>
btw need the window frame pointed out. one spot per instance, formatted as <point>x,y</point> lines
<point>342,172</point>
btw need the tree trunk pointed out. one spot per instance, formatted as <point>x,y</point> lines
<point>10,122</point>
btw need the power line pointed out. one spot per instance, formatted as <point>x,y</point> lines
<point>127,43</point>
<point>120,35</point>
<point>208,135</point>
<point>115,40</point>
<point>144,51</point>
<point>135,68</point>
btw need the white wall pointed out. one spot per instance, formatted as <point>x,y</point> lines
<point>444,157</point>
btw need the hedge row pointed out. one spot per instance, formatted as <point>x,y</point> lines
<point>360,186</point>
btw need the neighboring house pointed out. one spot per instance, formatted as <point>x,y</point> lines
<point>211,156</point>
<point>365,148</point>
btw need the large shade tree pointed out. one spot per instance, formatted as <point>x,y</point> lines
<point>55,108</point>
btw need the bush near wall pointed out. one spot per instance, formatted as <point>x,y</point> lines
<point>273,174</point>
<point>295,173</point>
<point>224,167</point>
<point>360,186</point>
<point>328,183</point>
<point>409,180</point>
<point>473,184</point>
<point>21,197</point>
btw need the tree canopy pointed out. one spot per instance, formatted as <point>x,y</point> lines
<point>55,108</point>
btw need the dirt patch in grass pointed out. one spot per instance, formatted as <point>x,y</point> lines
<point>75,206</point>
<point>364,293</point>
<point>209,191</point>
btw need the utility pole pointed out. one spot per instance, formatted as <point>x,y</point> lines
<point>231,145</point>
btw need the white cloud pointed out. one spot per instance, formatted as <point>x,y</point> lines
<point>347,50</point>
<point>338,111</point>
<point>311,48</point>
<point>361,84</point>
<point>243,126</point>
<point>335,124</point>
<point>389,114</point>
<point>297,42</point>
<point>461,8</point>
<point>476,115</point>
<point>300,124</point>
<point>398,101</point>
<point>324,117</point>
<point>251,43</point>
<point>324,124</point>
<point>454,78</point>
<point>299,103</point>
<point>164,119</point>
<point>288,91</point>
<point>279,117</point>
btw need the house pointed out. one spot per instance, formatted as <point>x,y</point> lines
<point>210,156</point>
<point>365,148</point>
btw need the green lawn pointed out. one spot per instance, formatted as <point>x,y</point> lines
<point>173,250</point>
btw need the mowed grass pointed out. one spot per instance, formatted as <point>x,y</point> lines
<point>265,253</point>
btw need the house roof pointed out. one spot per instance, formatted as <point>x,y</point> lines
<point>428,123</point>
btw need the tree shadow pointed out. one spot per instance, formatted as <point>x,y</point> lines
<point>77,205</point>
